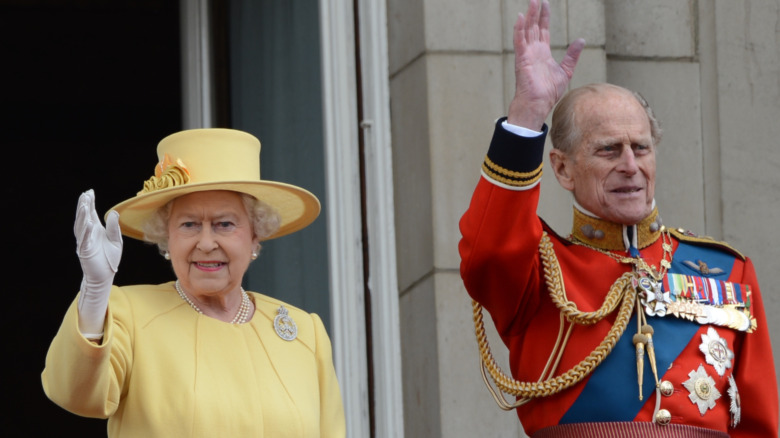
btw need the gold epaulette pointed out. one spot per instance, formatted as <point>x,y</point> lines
<point>687,236</point>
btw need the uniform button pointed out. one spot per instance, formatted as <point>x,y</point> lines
<point>663,417</point>
<point>666,388</point>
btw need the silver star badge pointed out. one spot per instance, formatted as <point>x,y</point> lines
<point>736,404</point>
<point>702,390</point>
<point>716,351</point>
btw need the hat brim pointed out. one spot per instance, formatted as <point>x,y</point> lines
<point>297,207</point>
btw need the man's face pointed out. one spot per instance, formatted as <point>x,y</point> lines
<point>611,171</point>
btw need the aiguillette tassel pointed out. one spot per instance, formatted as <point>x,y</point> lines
<point>639,341</point>
<point>647,330</point>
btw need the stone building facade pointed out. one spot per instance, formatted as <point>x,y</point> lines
<point>413,88</point>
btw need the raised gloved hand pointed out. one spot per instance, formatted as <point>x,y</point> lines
<point>99,250</point>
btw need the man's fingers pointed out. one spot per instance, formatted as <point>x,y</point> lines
<point>533,13</point>
<point>519,35</point>
<point>572,56</point>
<point>544,18</point>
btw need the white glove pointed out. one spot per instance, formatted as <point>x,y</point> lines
<point>99,250</point>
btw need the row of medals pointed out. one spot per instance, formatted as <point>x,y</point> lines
<point>658,302</point>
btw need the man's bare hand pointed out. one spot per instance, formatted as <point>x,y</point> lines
<point>539,80</point>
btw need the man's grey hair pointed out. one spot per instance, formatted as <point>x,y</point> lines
<point>565,133</point>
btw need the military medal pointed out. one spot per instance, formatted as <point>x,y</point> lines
<point>702,390</point>
<point>686,310</point>
<point>736,405</point>
<point>654,298</point>
<point>284,325</point>
<point>716,351</point>
<point>727,317</point>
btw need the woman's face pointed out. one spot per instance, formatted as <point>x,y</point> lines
<point>210,241</point>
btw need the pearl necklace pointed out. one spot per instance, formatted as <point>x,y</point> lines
<point>242,315</point>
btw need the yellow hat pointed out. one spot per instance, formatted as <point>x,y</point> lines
<point>198,160</point>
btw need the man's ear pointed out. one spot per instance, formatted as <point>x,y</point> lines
<point>562,166</point>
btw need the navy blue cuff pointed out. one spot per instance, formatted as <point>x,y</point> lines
<point>514,160</point>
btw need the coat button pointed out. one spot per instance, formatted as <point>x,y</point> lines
<point>663,417</point>
<point>666,388</point>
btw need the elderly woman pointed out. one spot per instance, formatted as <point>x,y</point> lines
<point>199,356</point>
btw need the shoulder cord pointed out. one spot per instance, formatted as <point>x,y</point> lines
<point>621,291</point>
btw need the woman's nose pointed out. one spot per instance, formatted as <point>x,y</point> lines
<point>207,241</point>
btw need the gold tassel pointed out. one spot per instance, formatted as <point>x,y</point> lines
<point>647,330</point>
<point>639,341</point>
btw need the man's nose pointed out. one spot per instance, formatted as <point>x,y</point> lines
<point>627,162</point>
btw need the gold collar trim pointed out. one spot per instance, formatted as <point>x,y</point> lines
<point>613,237</point>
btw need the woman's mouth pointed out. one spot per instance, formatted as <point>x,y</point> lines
<point>209,266</point>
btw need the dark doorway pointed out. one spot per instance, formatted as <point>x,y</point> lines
<point>88,89</point>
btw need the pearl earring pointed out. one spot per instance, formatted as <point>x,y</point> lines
<point>166,255</point>
<point>254,255</point>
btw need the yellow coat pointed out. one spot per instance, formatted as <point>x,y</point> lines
<point>163,370</point>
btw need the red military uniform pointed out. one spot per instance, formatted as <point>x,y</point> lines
<point>717,372</point>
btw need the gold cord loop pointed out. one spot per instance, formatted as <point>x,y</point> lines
<point>621,292</point>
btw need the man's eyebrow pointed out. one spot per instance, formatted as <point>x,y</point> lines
<point>609,141</point>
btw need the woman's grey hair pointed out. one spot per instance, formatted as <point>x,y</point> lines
<point>565,133</point>
<point>265,221</point>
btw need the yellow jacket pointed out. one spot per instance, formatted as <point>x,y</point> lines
<point>164,370</point>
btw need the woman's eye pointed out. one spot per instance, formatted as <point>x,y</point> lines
<point>189,227</point>
<point>224,225</point>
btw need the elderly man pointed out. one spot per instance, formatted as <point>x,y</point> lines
<point>624,327</point>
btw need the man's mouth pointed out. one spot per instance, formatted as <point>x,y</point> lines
<point>627,190</point>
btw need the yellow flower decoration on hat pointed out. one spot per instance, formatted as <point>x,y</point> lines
<point>167,173</point>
